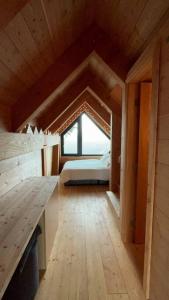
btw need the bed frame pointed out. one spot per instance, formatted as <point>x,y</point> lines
<point>86,182</point>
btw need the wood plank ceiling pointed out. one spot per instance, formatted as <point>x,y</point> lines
<point>35,34</point>
<point>34,38</point>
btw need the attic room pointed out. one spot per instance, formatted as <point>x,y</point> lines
<point>84,149</point>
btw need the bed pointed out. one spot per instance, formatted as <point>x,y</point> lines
<point>88,171</point>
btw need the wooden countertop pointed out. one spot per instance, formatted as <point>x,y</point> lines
<point>20,211</point>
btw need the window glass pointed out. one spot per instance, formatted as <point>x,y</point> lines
<point>94,141</point>
<point>70,140</point>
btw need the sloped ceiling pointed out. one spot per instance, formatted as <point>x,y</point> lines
<point>84,108</point>
<point>53,89</point>
<point>46,45</point>
<point>87,97</point>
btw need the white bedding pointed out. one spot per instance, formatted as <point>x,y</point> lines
<point>87,169</point>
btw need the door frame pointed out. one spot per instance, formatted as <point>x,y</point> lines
<point>150,59</point>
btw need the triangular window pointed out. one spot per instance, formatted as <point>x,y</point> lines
<point>84,137</point>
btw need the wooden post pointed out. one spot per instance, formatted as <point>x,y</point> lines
<point>142,170</point>
<point>129,148</point>
<point>151,168</point>
<point>115,153</point>
<point>56,160</point>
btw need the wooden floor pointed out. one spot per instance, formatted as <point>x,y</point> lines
<point>88,261</point>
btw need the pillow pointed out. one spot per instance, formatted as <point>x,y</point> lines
<point>106,156</point>
<point>108,164</point>
<point>106,159</point>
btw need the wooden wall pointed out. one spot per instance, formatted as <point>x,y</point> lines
<point>116,152</point>
<point>5,118</point>
<point>143,161</point>
<point>14,170</point>
<point>20,157</point>
<point>159,287</point>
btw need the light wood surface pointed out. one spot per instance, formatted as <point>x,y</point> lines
<point>131,24</point>
<point>15,169</point>
<point>72,93</point>
<point>89,260</point>
<point>50,160</point>
<point>37,32</point>
<point>87,97</point>
<point>151,167</point>
<point>14,144</point>
<point>30,32</point>
<point>21,209</point>
<point>143,156</point>
<point>129,160</point>
<point>51,224</point>
<point>44,92</point>
<point>115,202</point>
<point>115,153</point>
<point>159,272</point>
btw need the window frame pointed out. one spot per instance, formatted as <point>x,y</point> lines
<point>79,137</point>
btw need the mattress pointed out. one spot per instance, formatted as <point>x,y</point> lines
<point>88,169</point>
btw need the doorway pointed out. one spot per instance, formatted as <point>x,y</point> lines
<point>139,156</point>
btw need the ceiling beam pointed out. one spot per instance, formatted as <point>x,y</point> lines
<point>87,97</point>
<point>84,107</point>
<point>99,88</point>
<point>62,102</point>
<point>64,70</point>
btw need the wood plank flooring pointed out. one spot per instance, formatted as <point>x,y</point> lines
<point>88,260</point>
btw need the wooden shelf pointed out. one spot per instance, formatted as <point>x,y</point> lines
<point>20,211</point>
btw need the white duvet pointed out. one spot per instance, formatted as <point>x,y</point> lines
<point>87,169</point>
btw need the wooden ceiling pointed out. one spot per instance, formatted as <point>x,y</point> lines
<point>35,36</point>
<point>85,102</point>
<point>131,23</point>
<point>45,45</point>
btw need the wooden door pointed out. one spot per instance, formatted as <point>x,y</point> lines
<point>142,171</point>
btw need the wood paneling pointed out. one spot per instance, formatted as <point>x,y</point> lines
<point>13,144</point>
<point>84,108</point>
<point>29,41</point>
<point>34,34</point>
<point>142,170</point>
<point>14,61</point>
<point>129,154</point>
<point>131,24</point>
<point>35,19</point>
<point>9,9</point>
<point>151,168</point>
<point>5,118</point>
<point>14,170</point>
<point>71,94</point>
<point>66,21</point>
<point>87,97</point>
<point>51,113</point>
<point>160,242</point>
<point>115,153</point>
<point>69,66</point>
<point>19,33</point>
